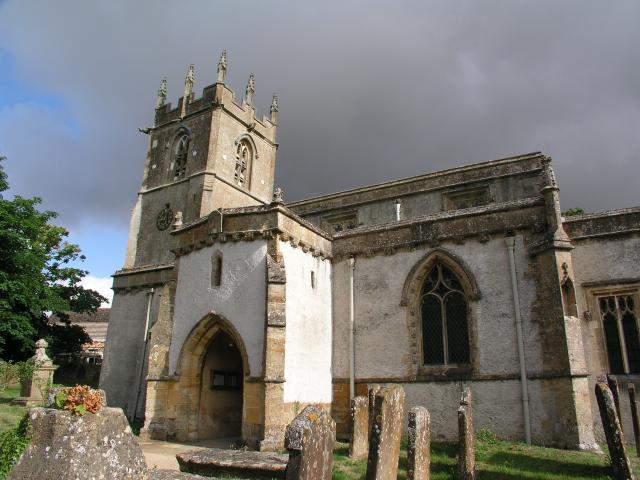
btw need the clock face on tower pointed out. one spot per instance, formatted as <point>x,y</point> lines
<point>164,218</point>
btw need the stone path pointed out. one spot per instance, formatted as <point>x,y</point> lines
<point>162,455</point>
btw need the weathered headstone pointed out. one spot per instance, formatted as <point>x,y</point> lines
<point>359,440</point>
<point>309,439</point>
<point>384,440</point>
<point>34,390</point>
<point>64,445</point>
<point>466,438</point>
<point>419,444</point>
<point>373,391</point>
<point>612,382</point>
<point>615,438</point>
<point>635,417</point>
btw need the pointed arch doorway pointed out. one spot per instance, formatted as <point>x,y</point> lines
<point>221,389</point>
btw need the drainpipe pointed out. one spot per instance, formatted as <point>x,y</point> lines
<point>523,367</point>
<point>144,351</point>
<point>221,218</point>
<point>352,353</point>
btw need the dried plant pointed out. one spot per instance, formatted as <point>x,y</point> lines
<point>79,400</point>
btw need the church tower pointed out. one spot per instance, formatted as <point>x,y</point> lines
<point>207,153</point>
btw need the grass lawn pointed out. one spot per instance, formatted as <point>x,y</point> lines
<point>10,415</point>
<point>495,460</point>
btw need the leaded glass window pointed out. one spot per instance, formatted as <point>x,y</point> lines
<point>243,163</point>
<point>180,160</point>
<point>620,325</point>
<point>445,329</point>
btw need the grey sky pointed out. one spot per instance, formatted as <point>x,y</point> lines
<point>369,91</point>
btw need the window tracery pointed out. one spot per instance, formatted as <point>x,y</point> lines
<point>619,318</point>
<point>244,157</point>
<point>444,313</point>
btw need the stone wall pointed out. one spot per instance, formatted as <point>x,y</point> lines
<point>605,261</point>
<point>240,298</point>
<point>121,365</point>
<point>308,334</point>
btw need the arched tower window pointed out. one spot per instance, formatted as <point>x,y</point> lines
<point>180,157</point>
<point>216,269</point>
<point>444,313</point>
<point>244,158</point>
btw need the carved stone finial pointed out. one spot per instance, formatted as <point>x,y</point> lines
<point>162,93</point>
<point>177,220</point>
<point>548,175</point>
<point>274,109</point>
<point>188,89</point>
<point>278,195</point>
<point>251,88</point>
<point>222,67</point>
<point>41,357</point>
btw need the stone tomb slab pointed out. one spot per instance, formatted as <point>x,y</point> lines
<point>213,462</point>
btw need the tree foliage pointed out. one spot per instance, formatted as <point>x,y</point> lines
<point>37,278</point>
<point>573,211</point>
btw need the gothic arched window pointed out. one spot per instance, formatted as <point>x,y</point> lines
<point>180,157</point>
<point>244,157</point>
<point>444,312</point>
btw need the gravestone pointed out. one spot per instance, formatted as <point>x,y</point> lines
<point>64,445</point>
<point>419,444</point>
<point>309,438</point>
<point>33,391</point>
<point>359,440</point>
<point>635,418</point>
<point>384,440</point>
<point>612,382</point>
<point>466,438</point>
<point>615,438</point>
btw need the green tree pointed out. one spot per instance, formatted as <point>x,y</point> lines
<point>37,278</point>
<point>573,211</point>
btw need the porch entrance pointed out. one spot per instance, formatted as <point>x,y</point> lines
<point>220,413</point>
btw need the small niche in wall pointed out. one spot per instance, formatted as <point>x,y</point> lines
<point>313,279</point>
<point>216,269</point>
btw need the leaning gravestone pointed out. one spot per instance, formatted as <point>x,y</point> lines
<point>309,438</point>
<point>635,416</point>
<point>612,382</point>
<point>466,438</point>
<point>384,439</point>
<point>615,438</point>
<point>419,444</point>
<point>66,446</point>
<point>359,441</point>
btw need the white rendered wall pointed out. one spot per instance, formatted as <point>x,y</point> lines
<point>240,299</point>
<point>307,367</point>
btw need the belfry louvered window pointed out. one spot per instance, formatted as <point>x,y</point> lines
<point>445,329</point>
<point>180,160</point>
<point>620,325</point>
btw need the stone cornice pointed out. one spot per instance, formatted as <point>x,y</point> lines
<point>252,210</point>
<point>523,164</point>
<point>456,225</point>
<point>604,224</point>
<point>261,222</point>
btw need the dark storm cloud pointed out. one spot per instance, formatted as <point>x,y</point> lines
<point>369,91</point>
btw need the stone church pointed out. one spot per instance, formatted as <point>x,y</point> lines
<point>235,309</point>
